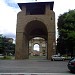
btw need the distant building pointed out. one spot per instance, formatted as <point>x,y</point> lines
<point>9,40</point>
<point>42,47</point>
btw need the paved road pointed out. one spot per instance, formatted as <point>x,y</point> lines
<point>36,74</point>
<point>34,66</point>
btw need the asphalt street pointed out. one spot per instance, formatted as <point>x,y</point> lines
<point>34,67</point>
<point>36,74</point>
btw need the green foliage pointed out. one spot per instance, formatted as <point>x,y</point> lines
<point>66,29</point>
<point>7,58</point>
<point>6,47</point>
<point>1,44</point>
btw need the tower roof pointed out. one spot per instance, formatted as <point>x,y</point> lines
<point>36,3</point>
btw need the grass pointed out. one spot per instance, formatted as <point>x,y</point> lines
<point>30,57</point>
<point>7,58</point>
<point>37,57</point>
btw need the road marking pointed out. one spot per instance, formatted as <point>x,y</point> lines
<point>36,74</point>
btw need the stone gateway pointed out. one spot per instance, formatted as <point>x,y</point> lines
<point>35,20</point>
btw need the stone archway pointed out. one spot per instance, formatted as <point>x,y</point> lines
<point>40,51</point>
<point>36,28</point>
<point>34,25</point>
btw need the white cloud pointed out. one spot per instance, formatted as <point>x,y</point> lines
<point>9,10</point>
<point>8,18</point>
<point>22,1</point>
<point>61,6</point>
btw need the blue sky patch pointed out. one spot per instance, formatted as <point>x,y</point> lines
<point>11,3</point>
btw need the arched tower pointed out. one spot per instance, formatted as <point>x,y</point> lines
<point>35,20</point>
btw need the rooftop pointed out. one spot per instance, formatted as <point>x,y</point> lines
<point>36,4</point>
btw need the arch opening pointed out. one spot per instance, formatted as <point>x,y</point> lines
<point>37,48</point>
<point>36,32</point>
<point>36,29</point>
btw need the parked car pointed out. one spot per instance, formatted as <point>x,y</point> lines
<point>57,57</point>
<point>71,65</point>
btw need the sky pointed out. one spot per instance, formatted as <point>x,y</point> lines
<point>9,10</point>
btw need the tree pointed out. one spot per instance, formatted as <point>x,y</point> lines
<point>66,30</point>
<point>1,44</point>
<point>6,46</point>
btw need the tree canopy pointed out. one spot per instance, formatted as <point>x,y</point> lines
<point>6,46</point>
<point>66,30</point>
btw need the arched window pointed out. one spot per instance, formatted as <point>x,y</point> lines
<point>36,47</point>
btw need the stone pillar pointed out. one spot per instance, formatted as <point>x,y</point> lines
<point>40,49</point>
<point>32,45</point>
<point>47,9</point>
<point>46,48</point>
<point>21,51</point>
<point>50,44</point>
<point>25,46</point>
<point>24,9</point>
<point>18,51</point>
